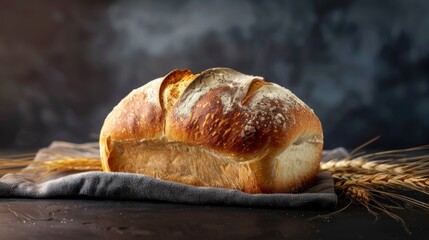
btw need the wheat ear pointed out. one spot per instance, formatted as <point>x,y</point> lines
<point>373,180</point>
<point>389,162</point>
<point>57,160</point>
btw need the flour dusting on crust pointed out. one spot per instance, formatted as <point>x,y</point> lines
<point>235,85</point>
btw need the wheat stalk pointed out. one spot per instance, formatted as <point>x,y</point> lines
<point>392,163</point>
<point>49,166</point>
<point>14,163</point>
<point>416,166</point>
<point>402,181</point>
<point>375,200</point>
<point>73,164</point>
<point>358,194</point>
<point>372,180</point>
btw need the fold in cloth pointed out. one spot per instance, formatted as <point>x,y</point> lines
<point>143,188</point>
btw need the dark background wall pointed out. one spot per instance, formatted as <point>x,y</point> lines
<point>363,66</point>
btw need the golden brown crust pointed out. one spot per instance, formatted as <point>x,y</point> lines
<point>240,129</point>
<point>173,86</point>
<point>304,137</point>
<point>257,124</point>
<point>138,115</point>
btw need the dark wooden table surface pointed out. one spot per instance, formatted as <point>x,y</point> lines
<point>105,219</point>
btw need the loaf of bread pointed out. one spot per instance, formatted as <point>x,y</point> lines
<point>218,128</point>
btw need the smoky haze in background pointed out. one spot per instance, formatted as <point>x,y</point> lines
<point>363,66</point>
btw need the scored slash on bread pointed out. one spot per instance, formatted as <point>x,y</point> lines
<point>218,128</point>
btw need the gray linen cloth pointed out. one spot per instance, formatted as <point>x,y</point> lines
<point>139,187</point>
